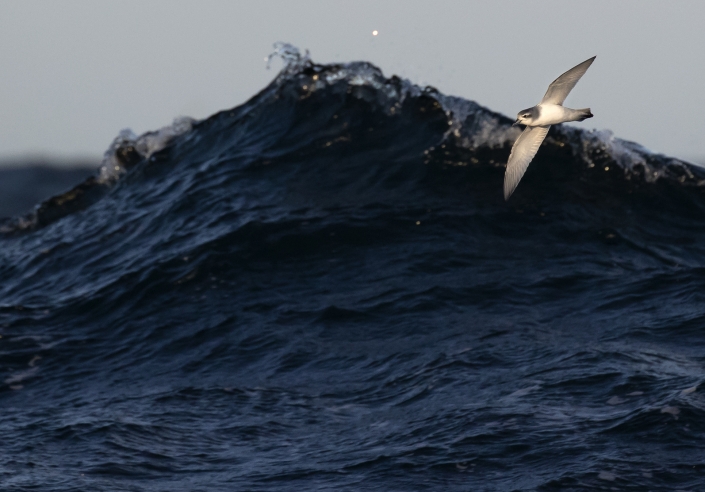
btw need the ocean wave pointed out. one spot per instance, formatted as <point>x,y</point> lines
<point>324,287</point>
<point>310,109</point>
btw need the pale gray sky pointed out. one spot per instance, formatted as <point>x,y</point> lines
<point>73,73</point>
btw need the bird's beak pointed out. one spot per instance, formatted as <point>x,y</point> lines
<point>516,123</point>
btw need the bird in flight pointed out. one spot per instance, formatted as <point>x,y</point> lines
<point>550,111</point>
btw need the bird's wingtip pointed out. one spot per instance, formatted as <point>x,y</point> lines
<point>507,192</point>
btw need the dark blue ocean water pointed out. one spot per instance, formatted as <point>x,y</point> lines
<point>323,289</point>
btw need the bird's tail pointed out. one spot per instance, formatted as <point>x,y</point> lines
<point>584,114</point>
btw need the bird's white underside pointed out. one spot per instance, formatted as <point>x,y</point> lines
<point>551,114</point>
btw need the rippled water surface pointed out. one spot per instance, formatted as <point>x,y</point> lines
<point>323,289</point>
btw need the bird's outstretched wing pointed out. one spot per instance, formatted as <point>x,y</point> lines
<point>561,87</point>
<point>523,152</point>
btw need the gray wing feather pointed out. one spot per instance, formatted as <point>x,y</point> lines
<point>523,152</point>
<point>561,87</point>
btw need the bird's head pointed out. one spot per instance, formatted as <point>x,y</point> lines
<point>525,117</point>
